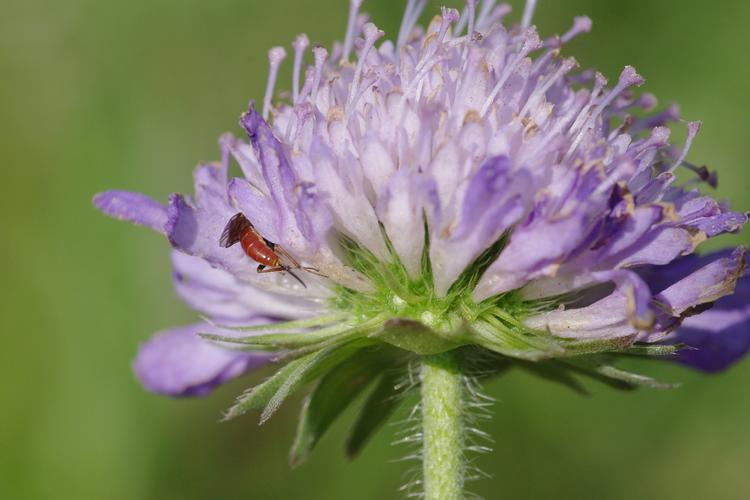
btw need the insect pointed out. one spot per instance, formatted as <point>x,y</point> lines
<point>266,253</point>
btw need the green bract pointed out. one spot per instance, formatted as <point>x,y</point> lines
<point>368,340</point>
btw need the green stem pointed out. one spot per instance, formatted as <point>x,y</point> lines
<point>442,427</point>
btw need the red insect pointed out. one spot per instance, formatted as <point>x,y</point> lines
<point>267,254</point>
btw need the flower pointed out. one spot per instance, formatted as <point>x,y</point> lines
<point>460,187</point>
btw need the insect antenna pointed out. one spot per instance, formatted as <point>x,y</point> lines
<point>287,269</point>
<point>314,271</point>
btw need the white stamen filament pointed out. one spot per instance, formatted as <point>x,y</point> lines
<point>484,11</point>
<point>495,17</point>
<point>449,16</point>
<point>658,139</point>
<point>528,13</point>
<point>308,85</point>
<point>372,33</point>
<point>693,128</point>
<point>367,81</point>
<point>275,56</point>
<point>300,45</point>
<point>471,7</point>
<point>320,55</point>
<point>413,10</point>
<point>302,113</point>
<point>565,67</point>
<point>461,24</point>
<point>599,82</point>
<point>627,78</point>
<point>532,43</point>
<point>351,27</point>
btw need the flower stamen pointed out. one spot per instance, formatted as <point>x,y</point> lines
<point>275,56</point>
<point>300,45</point>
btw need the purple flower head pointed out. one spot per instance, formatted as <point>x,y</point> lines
<point>462,186</point>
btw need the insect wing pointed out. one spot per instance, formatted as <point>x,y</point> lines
<point>234,229</point>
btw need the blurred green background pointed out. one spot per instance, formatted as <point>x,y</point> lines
<point>103,94</point>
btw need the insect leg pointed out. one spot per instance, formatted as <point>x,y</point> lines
<point>296,265</point>
<point>280,250</point>
<point>280,269</point>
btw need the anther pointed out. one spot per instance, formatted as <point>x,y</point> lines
<point>704,174</point>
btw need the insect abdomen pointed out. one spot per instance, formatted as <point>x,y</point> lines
<point>258,250</point>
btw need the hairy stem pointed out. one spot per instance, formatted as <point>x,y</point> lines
<point>442,427</point>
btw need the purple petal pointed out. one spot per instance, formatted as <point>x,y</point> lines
<point>219,295</point>
<point>300,217</point>
<point>660,246</point>
<point>195,227</point>
<point>720,336</point>
<point>605,319</point>
<point>707,284</point>
<point>624,312</point>
<point>257,207</point>
<point>178,362</point>
<point>277,172</point>
<point>133,207</point>
<point>707,215</point>
<point>638,304</point>
<point>400,208</point>
<point>534,250</point>
<point>196,231</point>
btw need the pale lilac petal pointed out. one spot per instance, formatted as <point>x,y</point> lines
<point>624,312</point>
<point>133,207</point>
<point>259,209</point>
<point>221,296</point>
<point>661,246</point>
<point>352,212</point>
<point>605,319</point>
<point>178,362</point>
<point>708,284</point>
<point>533,251</point>
<point>400,210</point>
<point>278,174</point>
<point>196,231</point>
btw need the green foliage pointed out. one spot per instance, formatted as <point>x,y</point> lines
<point>270,394</point>
<point>378,407</point>
<point>333,394</point>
